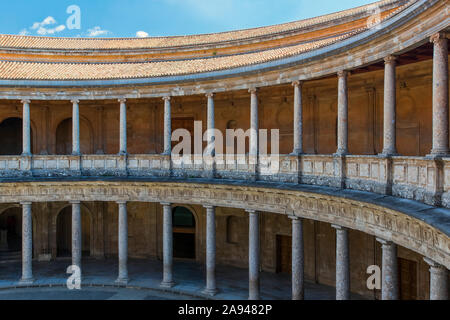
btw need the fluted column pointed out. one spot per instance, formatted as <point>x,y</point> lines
<point>123,126</point>
<point>76,234</point>
<point>75,127</point>
<point>342,264</point>
<point>253,122</point>
<point>298,285</point>
<point>298,118</point>
<point>389,134</point>
<point>389,271</point>
<point>123,244</point>
<point>167,281</point>
<point>438,281</point>
<point>167,127</point>
<point>211,288</point>
<point>26,128</point>
<point>253,255</point>
<point>342,125</point>
<point>440,96</point>
<point>27,244</point>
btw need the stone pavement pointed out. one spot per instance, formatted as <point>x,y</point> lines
<point>99,275</point>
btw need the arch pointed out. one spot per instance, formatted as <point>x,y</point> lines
<point>63,136</point>
<point>11,229</point>
<point>63,226</point>
<point>184,233</point>
<point>11,130</point>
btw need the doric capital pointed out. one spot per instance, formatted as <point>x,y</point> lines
<point>342,73</point>
<point>384,242</point>
<point>209,94</point>
<point>338,227</point>
<point>121,202</point>
<point>166,204</point>
<point>294,218</point>
<point>438,36</point>
<point>297,83</point>
<point>122,100</point>
<point>433,264</point>
<point>166,98</point>
<point>251,211</point>
<point>209,206</point>
<point>253,90</point>
<point>25,101</point>
<point>25,203</point>
<point>75,202</point>
<point>390,59</point>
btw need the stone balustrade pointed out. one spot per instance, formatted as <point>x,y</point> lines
<point>419,178</point>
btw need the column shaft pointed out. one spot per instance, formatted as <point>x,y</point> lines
<point>27,244</point>
<point>389,134</point>
<point>298,118</point>
<point>440,96</point>
<point>389,271</point>
<point>26,128</point>
<point>210,250</point>
<point>253,255</point>
<point>253,123</point>
<point>298,289</point>
<point>342,125</point>
<point>438,281</point>
<point>123,244</point>
<point>123,126</point>
<point>167,127</point>
<point>167,246</point>
<point>75,128</point>
<point>342,264</point>
<point>76,234</point>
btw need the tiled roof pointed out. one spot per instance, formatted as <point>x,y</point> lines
<point>19,70</point>
<point>48,43</point>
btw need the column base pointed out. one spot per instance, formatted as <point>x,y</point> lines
<point>26,282</point>
<point>210,292</point>
<point>122,281</point>
<point>254,297</point>
<point>167,284</point>
<point>386,154</point>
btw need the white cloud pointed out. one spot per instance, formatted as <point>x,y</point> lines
<point>46,22</point>
<point>24,32</point>
<point>97,31</point>
<point>44,31</point>
<point>42,28</point>
<point>141,34</point>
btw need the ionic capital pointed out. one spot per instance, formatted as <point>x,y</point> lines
<point>209,94</point>
<point>297,83</point>
<point>390,59</point>
<point>342,73</point>
<point>122,100</point>
<point>166,98</point>
<point>25,101</point>
<point>75,101</point>
<point>438,36</point>
<point>253,90</point>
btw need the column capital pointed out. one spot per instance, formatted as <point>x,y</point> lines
<point>121,202</point>
<point>294,218</point>
<point>385,242</point>
<point>75,202</point>
<point>438,36</point>
<point>338,227</point>
<point>166,98</point>
<point>253,90</point>
<point>26,203</point>
<point>75,101</point>
<point>390,59</point>
<point>434,264</point>
<point>342,73</point>
<point>208,206</point>
<point>209,94</point>
<point>25,101</point>
<point>166,204</point>
<point>122,100</point>
<point>251,211</point>
<point>297,83</point>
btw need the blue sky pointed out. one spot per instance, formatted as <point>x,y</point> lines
<point>130,18</point>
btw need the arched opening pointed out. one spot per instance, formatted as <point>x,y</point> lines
<point>11,137</point>
<point>11,233</point>
<point>64,233</point>
<point>64,137</point>
<point>183,233</point>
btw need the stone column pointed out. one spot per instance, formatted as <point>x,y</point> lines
<point>298,287</point>
<point>253,255</point>
<point>389,138</point>
<point>123,127</point>
<point>438,281</point>
<point>440,96</point>
<point>76,234</point>
<point>27,244</point>
<point>75,127</point>
<point>167,127</point>
<point>342,264</point>
<point>298,118</point>
<point>167,281</point>
<point>253,123</point>
<point>210,251</point>
<point>209,160</point>
<point>342,125</point>
<point>26,129</point>
<point>389,271</point>
<point>210,111</point>
<point>123,244</point>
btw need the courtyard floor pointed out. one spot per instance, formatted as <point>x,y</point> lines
<point>145,276</point>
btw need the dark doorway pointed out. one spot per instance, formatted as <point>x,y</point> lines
<point>183,233</point>
<point>64,233</point>
<point>284,254</point>
<point>64,138</point>
<point>11,230</point>
<point>11,137</point>
<point>407,270</point>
